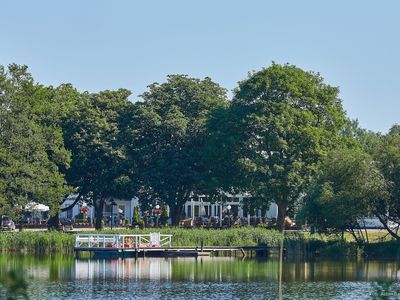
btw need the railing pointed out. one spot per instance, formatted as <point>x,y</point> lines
<point>124,241</point>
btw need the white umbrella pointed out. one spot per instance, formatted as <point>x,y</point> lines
<point>33,206</point>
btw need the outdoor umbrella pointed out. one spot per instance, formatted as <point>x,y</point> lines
<point>33,206</point>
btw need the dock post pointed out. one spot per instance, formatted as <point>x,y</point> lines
<point>243,253</point>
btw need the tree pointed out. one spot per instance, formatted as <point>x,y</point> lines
<point>348,188</point>
<point>385,150</point>
<point>387,155</point>
<point>167,134</point>
<point>92,133</point>
<point>136,221</point>
<point>281,122</point>
<point>32,153</point>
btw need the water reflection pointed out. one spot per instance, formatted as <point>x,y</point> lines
<point>231,269</point>
<point>204,269</point>
<point>202,278</point>
<point>140,269</point>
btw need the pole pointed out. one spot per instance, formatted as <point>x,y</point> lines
<point>220,215</point>
<point>280,293</point>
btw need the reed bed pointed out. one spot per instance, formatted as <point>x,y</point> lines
<point>32,242</point>
<point>36,242</point>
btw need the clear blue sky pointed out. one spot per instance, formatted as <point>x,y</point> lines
<point>97,45</point>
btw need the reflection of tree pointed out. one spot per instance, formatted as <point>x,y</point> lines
<point>315,278</point>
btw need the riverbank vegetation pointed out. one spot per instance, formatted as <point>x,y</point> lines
<point>296,243</point>
<point>284,137</point>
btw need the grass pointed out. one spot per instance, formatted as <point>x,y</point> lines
<point>243,236</point>
<point>327,245</point>
<point>36,242</point>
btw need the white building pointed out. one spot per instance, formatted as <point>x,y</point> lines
<point>122,209</point>
<point>196,207</point>
<point>200,207</point>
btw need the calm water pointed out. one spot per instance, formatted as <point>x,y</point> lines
<point>202,278</point>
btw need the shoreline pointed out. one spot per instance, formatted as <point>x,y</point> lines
<point>295,243</point>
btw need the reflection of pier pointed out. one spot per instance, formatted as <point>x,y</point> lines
<point>222,269</point>
<point>149,268</point>
<point>153,244</point>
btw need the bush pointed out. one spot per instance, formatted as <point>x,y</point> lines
<point>136,217</point>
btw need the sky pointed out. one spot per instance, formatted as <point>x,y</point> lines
<point>98,45</point>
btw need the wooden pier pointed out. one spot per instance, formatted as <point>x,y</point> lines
<point>153,244</point>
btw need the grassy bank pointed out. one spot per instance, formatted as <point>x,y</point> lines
<point>36,242</point>
<point>299,243</point>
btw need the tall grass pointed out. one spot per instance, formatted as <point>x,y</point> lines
<point>47,242</point>
<point>36,242</point>
<point>57,242</point>
<point>244,236</point>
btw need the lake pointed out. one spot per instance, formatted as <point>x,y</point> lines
<point>202,278</point>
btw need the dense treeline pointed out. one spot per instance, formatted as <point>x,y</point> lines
<point>283,137</point>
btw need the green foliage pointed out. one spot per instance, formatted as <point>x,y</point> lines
<point>164,216</point>
<point>36,242</point>
<point>387,155</point>
<point>92,132</point>
<point>281,122</point>
<point>167,134</point>
<point>14,286</point>
<point>348,188</point>
<point>243,236</point>
<point>32,151</point>
<point>136,221</point>
<point>185,139</point>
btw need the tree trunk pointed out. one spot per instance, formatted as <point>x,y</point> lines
<point>384,223</point>
<point>280,222</point>
<point>53,222</point>
<point>176,212</point>
<point>73,204</point>
<point>98,213</point>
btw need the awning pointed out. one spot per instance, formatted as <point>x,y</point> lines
<point>33,206</point>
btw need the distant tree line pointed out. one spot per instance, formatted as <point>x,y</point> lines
<point>283,137</point>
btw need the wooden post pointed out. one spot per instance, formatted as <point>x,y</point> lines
<point>243,253</point>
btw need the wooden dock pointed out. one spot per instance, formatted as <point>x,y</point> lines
<point>154,244</point>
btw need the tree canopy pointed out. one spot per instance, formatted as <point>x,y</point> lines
<point>348,188</point>
<point>32,152</point>
<point>167,138</point>
<point>99,168</point>
<point>284,121</point>
<point>284,137</point>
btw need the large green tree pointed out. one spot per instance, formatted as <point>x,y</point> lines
<point>167,136</point>
<point>32,153</point>
<point>385,150</point>
<point>387,155</point>
<point>281,123</point>
<point>348,188</point>
<point>92,131</point>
